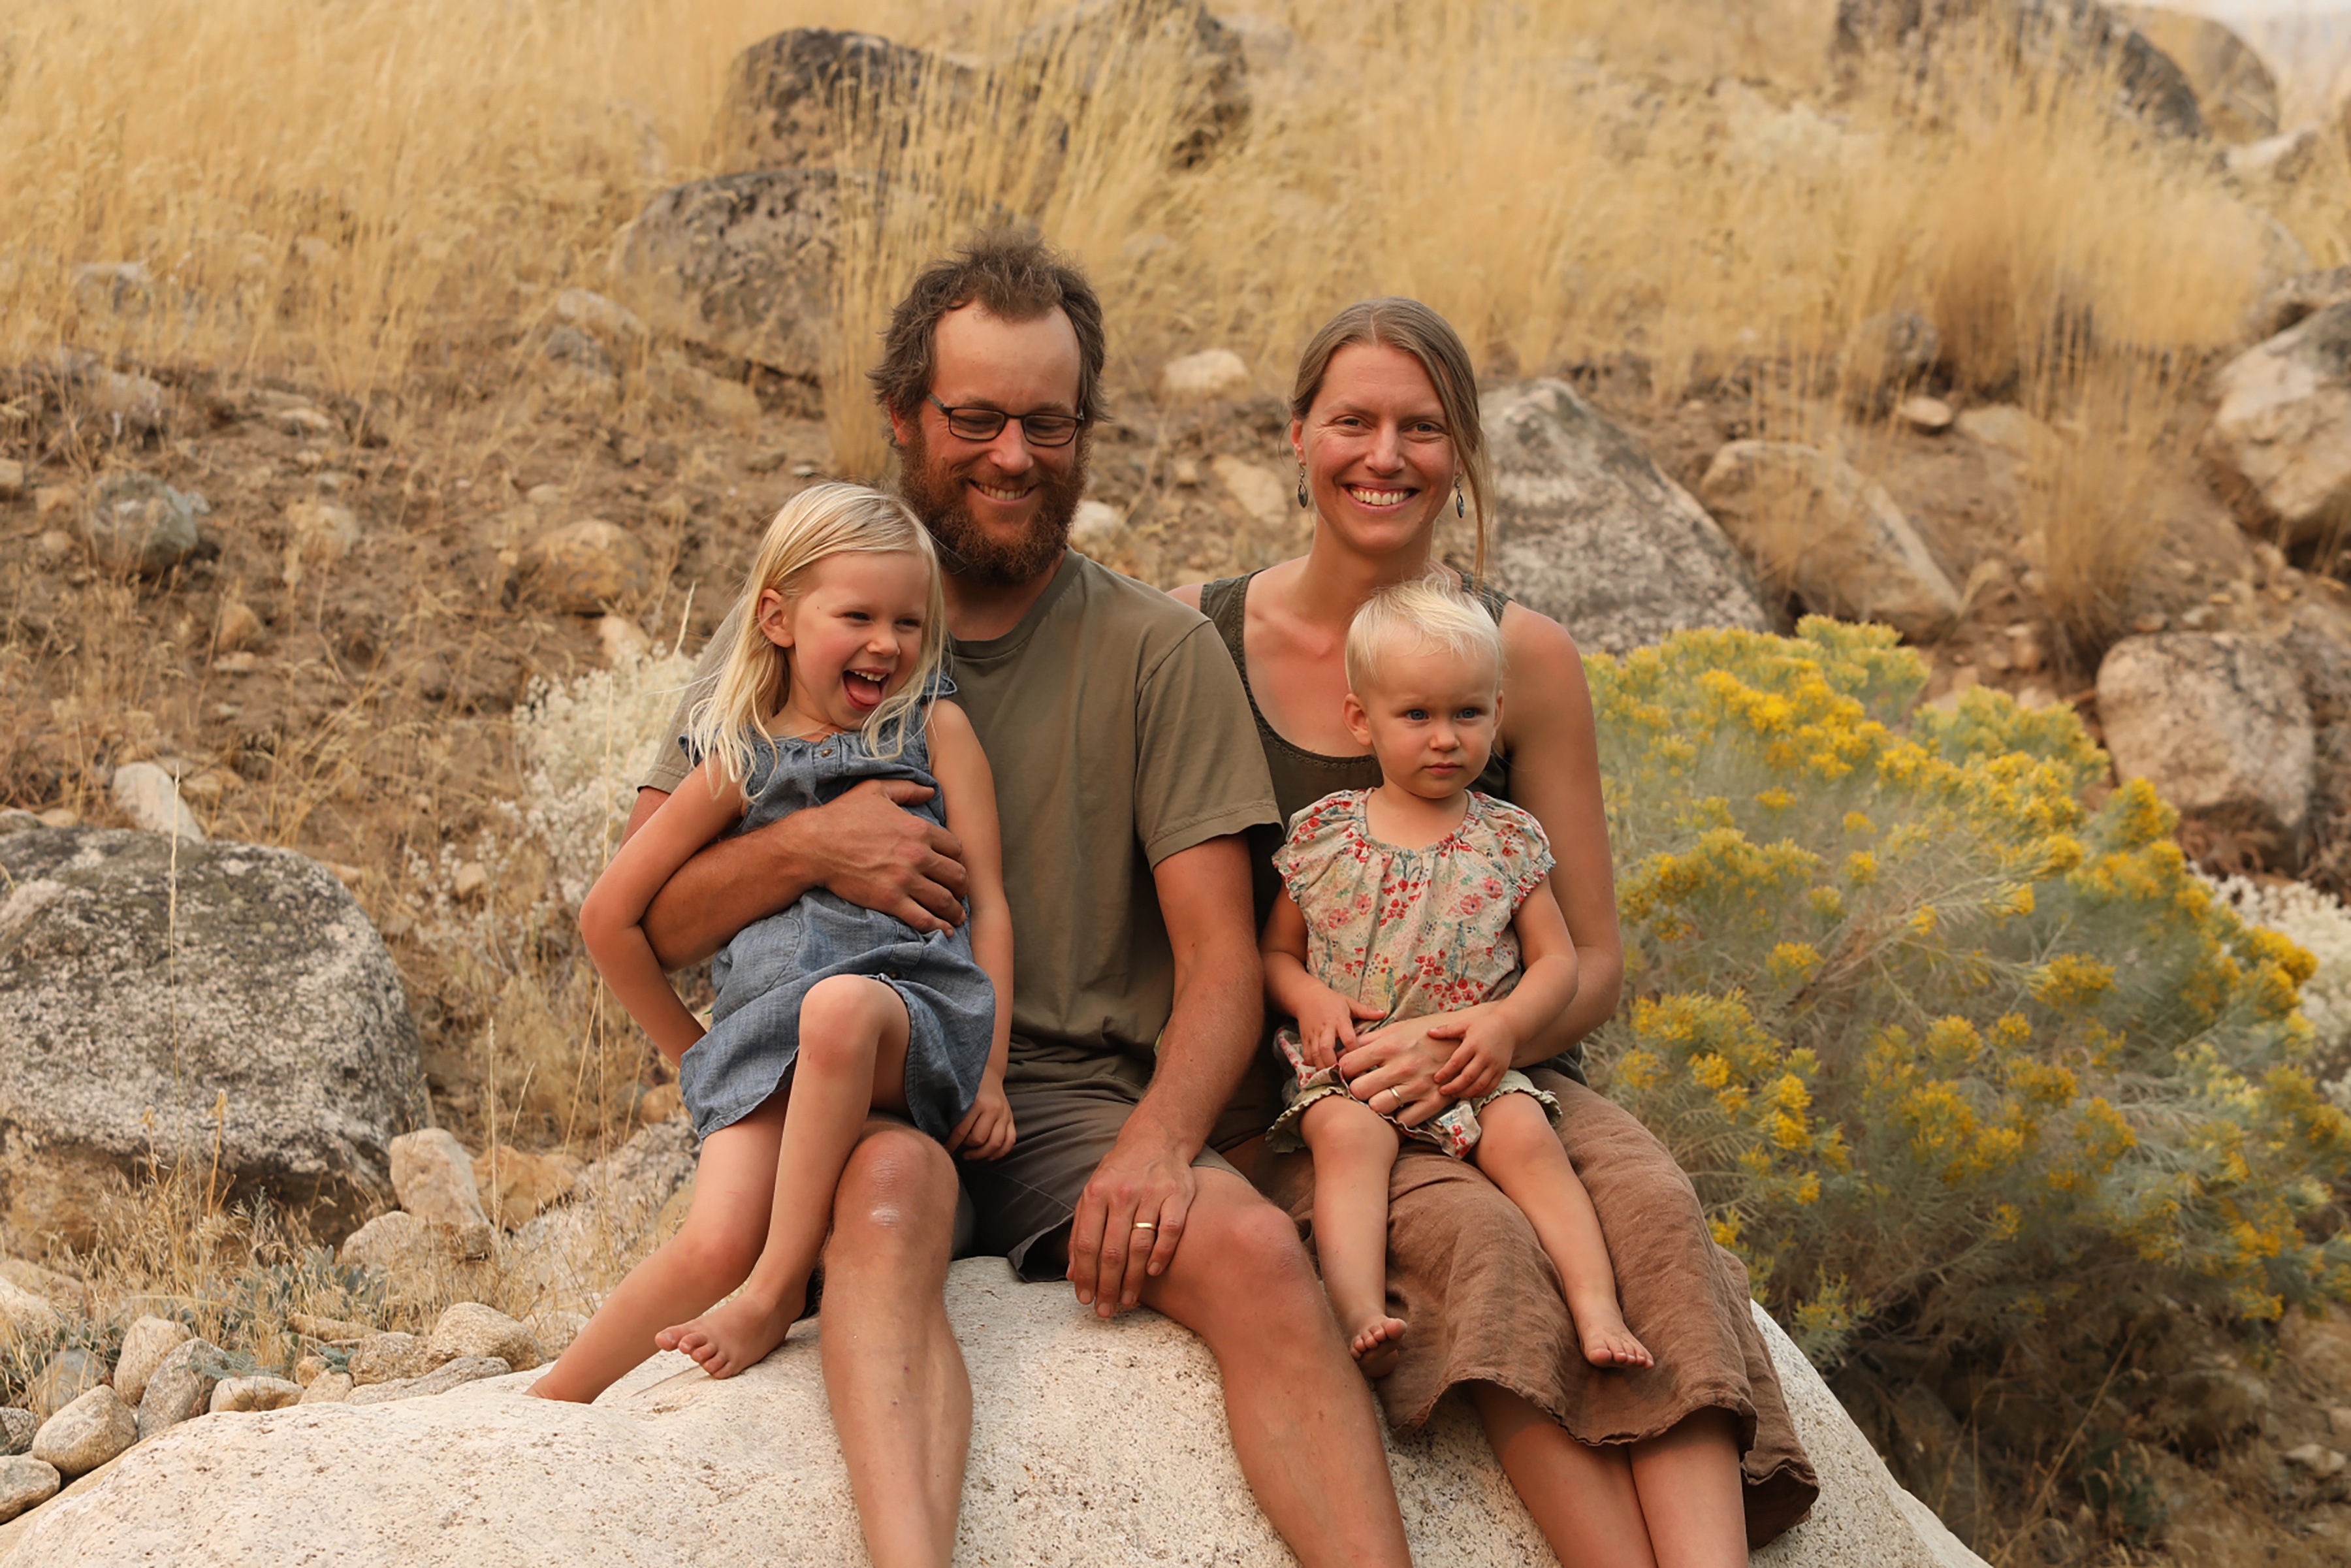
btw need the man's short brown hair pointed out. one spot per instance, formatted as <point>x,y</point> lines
<point>1011,273</point>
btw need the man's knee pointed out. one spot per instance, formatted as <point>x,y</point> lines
<point>1251,1247</point>
<point>897,1197</point>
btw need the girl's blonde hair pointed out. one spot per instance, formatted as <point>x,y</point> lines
<point>1423,613</point>
<point>821,520</point>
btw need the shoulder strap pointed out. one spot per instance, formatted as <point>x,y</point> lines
<point>1226,604</point>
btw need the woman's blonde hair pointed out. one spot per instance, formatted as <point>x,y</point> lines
<point>821,520</point>
<point>1408,324</point>
<point>1424,613</point>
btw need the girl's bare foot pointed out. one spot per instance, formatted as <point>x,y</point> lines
<point>1378,1345</point>
<point>736,1334</point>
<point>1608,1343</point>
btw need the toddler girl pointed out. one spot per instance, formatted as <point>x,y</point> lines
<point>825,1010</point>
<point>1422,897</point>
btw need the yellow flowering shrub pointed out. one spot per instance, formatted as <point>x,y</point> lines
<point>1940,1045</point>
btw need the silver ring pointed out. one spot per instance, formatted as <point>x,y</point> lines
<point>1391,1093</point>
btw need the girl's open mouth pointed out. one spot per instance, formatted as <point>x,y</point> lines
<point>865,692</point>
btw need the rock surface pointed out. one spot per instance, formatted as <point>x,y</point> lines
<point>1813,523</point>
<point>23,1481</point>
<point>567,1257</point>
<point>2235,92</point>
<point>586,567</point>
<point>19,1426</point>
<point>2302,295</point>
<point>434,1181</point>
<point>388,1358</point>
<point>86,1433</point>
<point>787,95</point>
<point>145,1344</point>
<point>130,985</point>
<point>181,1387</point>
<point>2280,440</point>
<point>2217,723</point>
<point>1587,530</point>
<point>670,1468</point>
<point>150,798</point>
<point>135,522</point>
<point>66,1376</point>
<point>514,1185</point>
<point>1197,378</point>
<point>742,264</point>
<point>470,1330</point>
<point>1105,47</point>
<point>237,1394</point>
<point>24,1315</point>
<point>1884,355</point>
<point>449,1374</point>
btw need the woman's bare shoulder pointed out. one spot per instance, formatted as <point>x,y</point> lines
<point>1189,594</point>
<point>1529,634</point>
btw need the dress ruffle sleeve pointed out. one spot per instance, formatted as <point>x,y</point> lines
<point>1512,841</point>
<point>1323,841</point>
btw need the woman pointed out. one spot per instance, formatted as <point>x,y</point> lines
<point>1685,1463</point>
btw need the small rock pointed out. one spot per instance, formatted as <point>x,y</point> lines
<point>2285,157</point>
<point>135,522</point>
<point>449,1374</point>
<point>2217,723</point>
<point>67,1375</point>
<point>1886,354</point>
<point>53,544</point>
<point>388,1357</point>
<point>317,533</point>
<point>518,1185</point>
<point>613,325</point>
<point>180,1388</point>
<point>49,499</point>
<point>145,1344</point>
<point>329,1388</point>
<point>61,1291</point>
<point>1928,415</point>
<point>23,1314</point>
<point>624,640</point>
<point>1258,489</point>
<point>11,479</point>
<point>239,627</point>
<point>331,1330</point>
<point>2304,295</point>
<point>2280,440</point>
<point>804,470</point>
<point>2338,1418</point>
<point>260,1393</point>
<point>435,1179</point>
<point>59,817</point>
<point>743,264</point>
<point>2026,650</point>
<point>2318,1459</point>
<point>311,1368</point>
<point>586,567</point>
<point>25,1482</point>
<point>471,882</point>
<point>659,1102</point>
<point>1095,521</point>
<point>470,1328</point>
<point>150,797</point>
<point>1197,377</point>
<point>399,1244</point>
<point>570,347</point>
<point>2007,428</point>
<point>86,1433</point>
<point>16,1429</point>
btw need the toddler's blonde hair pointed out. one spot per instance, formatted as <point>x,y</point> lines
<point>1424,613</point>
<point>821,520</point>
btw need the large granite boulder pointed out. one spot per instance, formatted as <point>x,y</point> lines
<point>2280,440</point>
<point>791,99</point>
<point>744,263</point>
<point>2236,93</point>
<point>1587,530</point>
<point>1812,522</point>
<point>2218,722</point>
<point>1091,1443</point>
<point>194,1000</point>
<point>1103,50</point>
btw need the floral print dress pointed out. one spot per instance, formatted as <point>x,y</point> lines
<point>1410,932</point>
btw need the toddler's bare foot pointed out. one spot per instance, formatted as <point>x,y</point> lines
<point>1378,1345</point>
<point>733,1334</point>
<point>1608,1343</point>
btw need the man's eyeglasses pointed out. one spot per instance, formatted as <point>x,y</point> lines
<point>974,423</point>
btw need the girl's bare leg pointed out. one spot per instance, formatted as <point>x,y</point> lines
<point>852,1056</point>
<point>1354,1150</point>
<point>1521,1155</point>
<point>734,1187</point>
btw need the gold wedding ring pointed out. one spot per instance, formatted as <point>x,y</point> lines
<point>1145,1225</point>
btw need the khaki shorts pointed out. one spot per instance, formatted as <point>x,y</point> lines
<point>1031,1195</point>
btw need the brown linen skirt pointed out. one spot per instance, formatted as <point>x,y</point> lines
<point>1483,1302</point>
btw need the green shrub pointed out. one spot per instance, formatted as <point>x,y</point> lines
<point>1941,1046</point>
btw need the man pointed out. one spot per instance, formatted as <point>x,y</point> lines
<point>1127,767</point>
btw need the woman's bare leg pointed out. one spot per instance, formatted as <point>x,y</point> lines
<point>734,1186</point>
<point>852,1056</point>
<point>1521,1155</point>
<point>1354,1150</point>
<point>1584,1500</point>
<point>1692,1494</point>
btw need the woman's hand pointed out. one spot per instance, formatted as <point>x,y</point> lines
<point>1326,1024</point>
<point>1408,1058</point>
<point>986,1131</point>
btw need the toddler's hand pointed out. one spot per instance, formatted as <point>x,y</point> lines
<point>1484,1054</point>
<point>1327,1026</point>
<point>986,1131</point>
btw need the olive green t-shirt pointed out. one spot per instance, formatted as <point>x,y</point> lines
<point>1119,734</point>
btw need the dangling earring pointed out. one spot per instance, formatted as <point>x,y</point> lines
<point>1460,508</point>
<point>1302,502</point>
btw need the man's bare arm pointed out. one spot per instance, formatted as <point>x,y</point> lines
<point>1203,897</point>
<point>862,846</point>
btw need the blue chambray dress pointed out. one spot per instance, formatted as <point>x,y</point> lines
<point>767,970</point>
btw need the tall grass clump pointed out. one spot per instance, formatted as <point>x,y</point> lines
<point>1947,1053</point>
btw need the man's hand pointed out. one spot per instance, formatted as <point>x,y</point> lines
<point>1326,1023</point>
<point>1129,1220</point>
<point>881,857</point>
<point>986,1131</point>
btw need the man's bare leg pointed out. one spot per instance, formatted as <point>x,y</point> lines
<point>893,1372</point>
<point>1301,1413</point>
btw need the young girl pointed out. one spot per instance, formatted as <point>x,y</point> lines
<point>1424,896</point>
<point>826,1009</point>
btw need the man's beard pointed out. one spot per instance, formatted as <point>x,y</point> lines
<point>967,550</point>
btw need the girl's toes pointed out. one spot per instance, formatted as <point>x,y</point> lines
<point>1379,1346</point>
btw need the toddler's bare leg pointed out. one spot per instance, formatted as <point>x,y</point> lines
<point>852,1055</point>
<point>1519,1154</point>
<point>734,1186</point>
<point>1354,1150</point>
